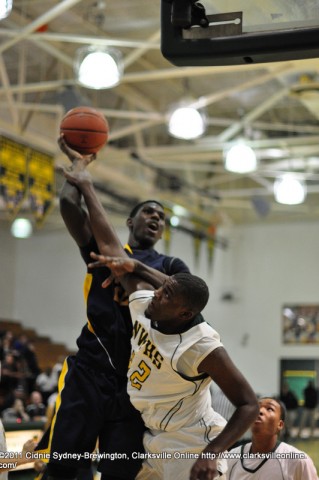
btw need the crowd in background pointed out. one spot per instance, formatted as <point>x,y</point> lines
<point>25,390</point>
<point>299,417</point>
<point>301,420</point>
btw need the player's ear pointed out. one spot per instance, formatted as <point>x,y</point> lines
<point>186,315</point>
<point>280,426</point>
<point>129,223</point>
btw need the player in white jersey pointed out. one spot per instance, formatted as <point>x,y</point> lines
<point>265,457</point>
<point>173,398</point>
<point>3,449</point>
<point>176,353</point>
<point>10,460</point>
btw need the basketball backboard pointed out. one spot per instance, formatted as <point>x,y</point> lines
<point>226,32</point>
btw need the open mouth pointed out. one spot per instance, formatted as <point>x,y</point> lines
<point>153,226</point>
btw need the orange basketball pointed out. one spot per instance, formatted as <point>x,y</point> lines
<point>85,129</point>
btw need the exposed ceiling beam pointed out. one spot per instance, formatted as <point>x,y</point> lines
<point>6,86</point>
<point>38,22</point>
<point>256,112</point>
<point>82,39</point>
<point>136,54</point>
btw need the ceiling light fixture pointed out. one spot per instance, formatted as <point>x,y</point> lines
<point>289,190</point>
<point>98,67</point>
<point>186,122</point>
<point>179,210</point>
<point>174,221</point>
<point>5,8</point>
<point>21,228</point>
<point>240,158</point>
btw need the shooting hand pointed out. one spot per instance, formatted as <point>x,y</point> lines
<point>73,155</point>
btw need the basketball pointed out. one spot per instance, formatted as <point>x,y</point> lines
<point>85,129</point>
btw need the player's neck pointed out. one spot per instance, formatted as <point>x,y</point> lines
<point>263,444</point>
<point>137,245</point>
<point>169,327</point>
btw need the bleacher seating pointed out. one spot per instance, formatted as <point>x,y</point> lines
<point>47,351</point>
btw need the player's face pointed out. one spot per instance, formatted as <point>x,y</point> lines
<point>167,308</point>
<point>268,421</point>
<point>148,224</point>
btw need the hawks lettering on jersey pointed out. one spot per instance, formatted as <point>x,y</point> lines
<point>150,350</point>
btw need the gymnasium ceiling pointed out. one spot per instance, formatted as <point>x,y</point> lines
<point>275,106</point>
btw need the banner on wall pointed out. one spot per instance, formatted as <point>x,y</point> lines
<point>197,241</point>
<point>211,245</point>
<point>26,174</point>
<point>13,174</point>
<point>41,184</point>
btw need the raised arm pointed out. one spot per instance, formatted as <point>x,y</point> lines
<point>221,368</point>
<point>74,216</point>
<point>121,266</point>
<point>105,235</point>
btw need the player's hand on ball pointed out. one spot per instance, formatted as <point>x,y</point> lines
<point>73,155</point>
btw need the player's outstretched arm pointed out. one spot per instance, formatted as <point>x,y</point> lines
<point>121,266</point>
<point>74,216</point>
<point>103,231</point>
<point>222,370</point>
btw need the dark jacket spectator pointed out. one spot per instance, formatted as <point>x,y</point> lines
<point>36,408</point>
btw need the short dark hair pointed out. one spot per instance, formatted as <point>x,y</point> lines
<point>139,205</point>
<point>283,409</point>
<point>193,290</point>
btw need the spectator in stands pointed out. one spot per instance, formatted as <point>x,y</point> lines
<point>11,373</point>
<point>57,368</point>
<point>7,343</point>
<point>27,353</point>
<point>16,413</point>
<point>289,399</point>
<point>18,392</point>
<point>309,411</point>
<point>36,408</point>
<point>19,343</point>
<point>46,383</point>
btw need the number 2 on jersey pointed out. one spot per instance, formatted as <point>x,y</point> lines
<point>139,376</point>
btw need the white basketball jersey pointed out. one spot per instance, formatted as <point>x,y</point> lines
<point>286,463</point>
<point>3,448</point>
<point>168,397</point>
